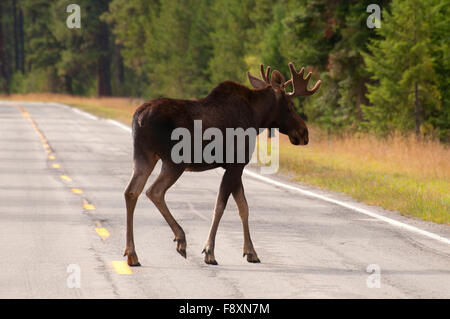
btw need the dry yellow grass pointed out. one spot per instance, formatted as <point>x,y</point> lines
<point>396,154</point>
<point>397,173</point>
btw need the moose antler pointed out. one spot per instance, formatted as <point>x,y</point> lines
<point>258,83</point>
<point>300,84</point>
<point>266,77</point>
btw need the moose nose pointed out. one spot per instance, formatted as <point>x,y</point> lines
<point>299,138</point>
<point>305,138</point>
<point>306,141</point>
<point>294,140</point>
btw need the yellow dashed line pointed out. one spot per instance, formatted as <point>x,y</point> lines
<point>66,178</point>
<point>88,206</point>
<point>121,267</point>
<point>102,232</point>
<point>77,191</point>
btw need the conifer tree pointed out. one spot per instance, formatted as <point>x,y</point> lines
<point>406,86</point>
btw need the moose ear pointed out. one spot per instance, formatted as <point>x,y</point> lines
<point>277,80</point>
<point>255,82</point>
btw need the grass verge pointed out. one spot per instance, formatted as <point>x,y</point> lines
<point>398,173</point>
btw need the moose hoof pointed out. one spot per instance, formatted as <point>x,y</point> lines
<point>209,257</point>
<point>132,259</point>
<point>181,246</point>
<point>252,258</point>
<point>211,261</point>
<point>182,252</point>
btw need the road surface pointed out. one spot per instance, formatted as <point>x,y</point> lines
<point>62,228</point>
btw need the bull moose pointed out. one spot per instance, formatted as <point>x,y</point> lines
<point>229,105</point>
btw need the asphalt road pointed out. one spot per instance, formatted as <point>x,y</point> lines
<point>64,222</point>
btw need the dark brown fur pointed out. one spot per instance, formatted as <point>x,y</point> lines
<point>229,105</point>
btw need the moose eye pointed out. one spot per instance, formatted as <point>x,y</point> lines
<point>291,106</point>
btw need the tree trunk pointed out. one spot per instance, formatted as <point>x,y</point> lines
<point>3,62</point>
<point>361,97</point>
<point>16,36</point>
<point>417,109</point>
<point>68,84</point>
<point>103,62</point>
<point>103,76</point>
<point>119,72</point>
<point>22,42</point>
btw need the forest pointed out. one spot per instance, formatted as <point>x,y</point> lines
<point>379,80</point>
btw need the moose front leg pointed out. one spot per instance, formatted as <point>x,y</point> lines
<point>208,250</point>
<point>249,251</point>
<point>230,181</point>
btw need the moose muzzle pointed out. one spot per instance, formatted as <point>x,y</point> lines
<point>298,138</point>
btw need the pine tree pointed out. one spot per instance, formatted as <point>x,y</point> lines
<point>402,66</point>
<point>3,60</point>
<point>265,37</point>
<point>133,24</point>
<point>229,37</point>
<point>89,46</point>
<point>183,50</point>
<point>440,35</point>
<point>310,34</point>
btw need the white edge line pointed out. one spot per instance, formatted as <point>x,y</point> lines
<point>85,114</point>
<point>121,125</point>
<point>390,221</point>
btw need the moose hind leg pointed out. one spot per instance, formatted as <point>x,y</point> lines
<point>168,176</point>
<point>241,202</point>
<point>142,170</point>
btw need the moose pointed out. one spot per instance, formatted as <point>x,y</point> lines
<point>229,105</point>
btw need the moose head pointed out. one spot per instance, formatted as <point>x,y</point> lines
<point>286,119</point>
